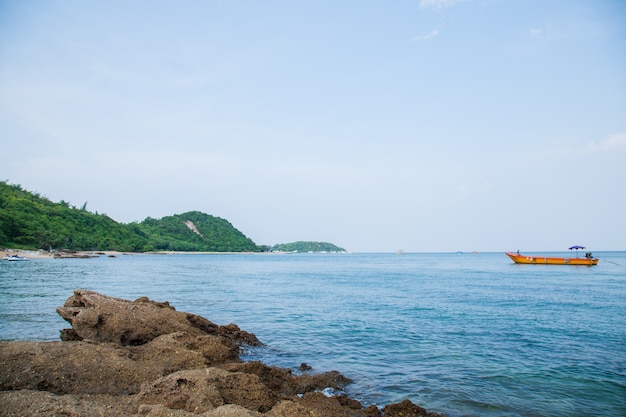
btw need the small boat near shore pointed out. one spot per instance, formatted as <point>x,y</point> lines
<point>15,258</point>
<point>552,260</point>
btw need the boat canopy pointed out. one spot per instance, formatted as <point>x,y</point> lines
<point>576,247</point>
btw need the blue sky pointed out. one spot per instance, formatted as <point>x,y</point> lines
<point>433,125</point>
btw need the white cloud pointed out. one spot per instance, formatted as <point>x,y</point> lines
<point>615,142</point>
<point>426,37</point>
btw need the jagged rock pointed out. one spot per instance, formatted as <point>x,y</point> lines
<point>26,403</point>
<point>177,351</point>
<point>40,403</point>
<point>233,332</point>
<point>106,368</point>
<point>229,410</point>
<point>97,317</point>
<point>273,377</point>
<point>282,381</point>
<point>317,404</point>
<point>69,367</point>
<point>201,390</point>
<point>407,409</point>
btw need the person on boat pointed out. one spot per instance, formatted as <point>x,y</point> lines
<point>588,255</point>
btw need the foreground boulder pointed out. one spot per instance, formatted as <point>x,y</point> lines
<point>144,358</point>
<point>94,316</point>
<point>105,368</point>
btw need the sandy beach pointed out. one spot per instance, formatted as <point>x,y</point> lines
<point>39,254</point>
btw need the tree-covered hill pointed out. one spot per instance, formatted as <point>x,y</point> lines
<point>307,247</point>
<point>31,221</point>
<point>28,220</point>
<point>195,231</point>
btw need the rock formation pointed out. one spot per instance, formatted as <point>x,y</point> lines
<point>144,358</point>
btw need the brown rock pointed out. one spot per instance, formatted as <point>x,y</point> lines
<point>282,381</point>
<point>159,410</point>
<point>308,383</point>
<point>305,367</point>
<point>231,410</point>
<point>97,317</point>
<point>69,367</point>
<point>315,404</point>
<point>201,390</point>
<point>106,368</point>
<point>407,409</point>
<point>40,403</point>
<point>177,351</point>
<point>273,377</point>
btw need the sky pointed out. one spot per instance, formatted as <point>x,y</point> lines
<point>415,125</point>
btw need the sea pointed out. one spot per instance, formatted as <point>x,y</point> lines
<point>464,334</point>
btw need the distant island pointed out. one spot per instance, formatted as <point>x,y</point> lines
<point>308,247</point>
<point>31,221</point>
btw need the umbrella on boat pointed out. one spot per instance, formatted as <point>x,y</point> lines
<point>576,248</point>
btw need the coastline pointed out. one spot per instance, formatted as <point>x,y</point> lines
<point>145,358</point>
<point>39,254</point>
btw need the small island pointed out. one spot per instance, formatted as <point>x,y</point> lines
<point>307,247</point>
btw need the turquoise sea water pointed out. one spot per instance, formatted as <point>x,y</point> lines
<point>462,334</point>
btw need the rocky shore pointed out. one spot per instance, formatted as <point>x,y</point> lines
<point>145,358</point>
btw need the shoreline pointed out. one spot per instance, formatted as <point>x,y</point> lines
<point>62,254</point>
<point>39,254</point>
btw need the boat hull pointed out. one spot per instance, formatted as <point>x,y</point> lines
<point>15,258</point>
<point>546,260</point>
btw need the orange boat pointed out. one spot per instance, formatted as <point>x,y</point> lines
<point>546,260</point>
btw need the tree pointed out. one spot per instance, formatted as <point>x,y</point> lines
<point>28,220</point>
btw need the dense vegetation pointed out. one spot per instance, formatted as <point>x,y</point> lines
<point>195,231</point>
<point>307,247</point>
<point>31,221</point>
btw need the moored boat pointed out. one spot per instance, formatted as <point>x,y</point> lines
<point>15,258</point>
<point>552,260</point>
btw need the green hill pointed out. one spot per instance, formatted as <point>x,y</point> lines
<point>307,247</point>
<point>195,231</point>
<point>31,221</point>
